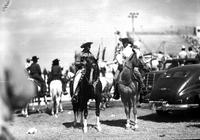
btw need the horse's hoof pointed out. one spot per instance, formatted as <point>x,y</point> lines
<point>74,124</point>
<point>61,110</point>
<point>38,111</point>
<point>56,116</point>
<point>84,129</point>
<point>127,126</point>
<point>102,108</point>
<point>135,127</point>
<point>99,128</point>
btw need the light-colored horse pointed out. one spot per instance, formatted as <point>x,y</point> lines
<point>25,112</point>
<point>56,95</point>
<point>107,80</point>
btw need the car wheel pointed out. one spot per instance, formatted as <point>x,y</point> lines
<point>162,113</point>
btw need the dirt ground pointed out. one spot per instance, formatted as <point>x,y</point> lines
<point>179,125</point>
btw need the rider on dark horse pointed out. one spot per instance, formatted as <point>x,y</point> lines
<point>35,73</point>
<point>128,45</point>
<point>85,56</point>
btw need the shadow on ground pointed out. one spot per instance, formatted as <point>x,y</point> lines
<point>194,125</point>
<point>116,123</point>
<point>78,125</point>
<point>174,117</point>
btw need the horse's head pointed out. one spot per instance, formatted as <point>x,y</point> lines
<point>92,69</point>
<point>133,61</point>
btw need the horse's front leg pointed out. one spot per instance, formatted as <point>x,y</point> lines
<point>98,114</point>
<point>26,110</point>
<point>45,101</point>
<point>75,115</point>
<point>135,112</point>
<point>85,118</point>
<point>127,112</point>
<point>39,105</point>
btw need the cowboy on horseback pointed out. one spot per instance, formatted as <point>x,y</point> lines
<point>85,56</point>
<point>128,50</point>
<point>35,73</point>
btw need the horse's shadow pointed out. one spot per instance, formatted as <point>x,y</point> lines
<point>71,124</point>
<point>174,117</point>
<point>78,125</point>
<point>194,125</point>
<point>116,123</point>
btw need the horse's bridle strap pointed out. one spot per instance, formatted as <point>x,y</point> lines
<point>128,67</point>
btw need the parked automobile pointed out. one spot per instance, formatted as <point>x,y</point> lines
<point>152,77</point>
<point>177,89</point>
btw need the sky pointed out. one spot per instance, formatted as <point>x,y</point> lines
<point>53,29</point>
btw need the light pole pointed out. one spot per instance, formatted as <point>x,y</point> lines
<point>133,15</point>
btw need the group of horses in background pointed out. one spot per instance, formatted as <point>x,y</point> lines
<point>54,90</point>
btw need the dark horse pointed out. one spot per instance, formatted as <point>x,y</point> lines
<point>128,88</point>
<point>87,87</point>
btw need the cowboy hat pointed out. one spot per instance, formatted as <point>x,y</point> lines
<point>87,44</point>
<point>55,61</point>
<point>34,58</point>
<point>125,41</point>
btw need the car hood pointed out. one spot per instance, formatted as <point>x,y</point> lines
<point>167,89</point>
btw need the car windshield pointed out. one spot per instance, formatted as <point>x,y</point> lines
<point>170,65</point>
<point>176,74</point>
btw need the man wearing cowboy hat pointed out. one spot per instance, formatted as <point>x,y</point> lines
<point>127,52</point>
<point>86,51</point>
<point>35,73</point>
<point>85,56</point>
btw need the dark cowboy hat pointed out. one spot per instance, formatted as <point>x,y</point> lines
<point>34,58</point>
<point>55,60</point>
<point>125,41</point>
<point>87,44</point>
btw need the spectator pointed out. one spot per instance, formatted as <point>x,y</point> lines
<point>182,54</point>
<point>191,53</point>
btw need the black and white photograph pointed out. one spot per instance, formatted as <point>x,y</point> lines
<point>99,69</point>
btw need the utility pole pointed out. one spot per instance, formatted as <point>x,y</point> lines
<point>133,15</point>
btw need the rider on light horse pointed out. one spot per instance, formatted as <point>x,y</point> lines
<point>128,50</point>
<point>56,71</point>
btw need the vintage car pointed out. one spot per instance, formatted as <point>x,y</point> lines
<point>152,77</point>
<point>177,89</point>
